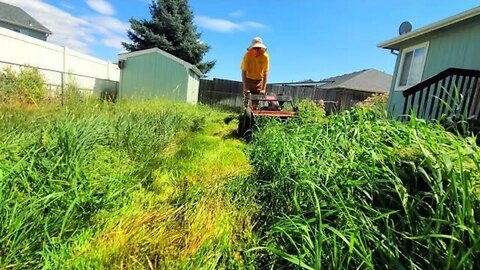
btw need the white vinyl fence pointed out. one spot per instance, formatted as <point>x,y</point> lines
<point>59,65</point>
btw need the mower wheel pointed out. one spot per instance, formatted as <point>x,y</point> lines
<point>245,124</point>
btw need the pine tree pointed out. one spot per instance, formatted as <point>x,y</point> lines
<point>172,30</point>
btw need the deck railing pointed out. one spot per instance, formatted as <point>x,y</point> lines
<point>453,93</point>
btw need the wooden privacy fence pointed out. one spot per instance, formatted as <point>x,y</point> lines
<point>223,93</point>
<point>227,93</point>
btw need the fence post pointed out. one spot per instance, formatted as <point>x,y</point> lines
<point>62,81</point>
<point>64,70</point>
<point>108,70</point>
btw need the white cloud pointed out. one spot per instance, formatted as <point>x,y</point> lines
<point>78,33</point>
<point>237,14</point>
<point>218,25</point>
<point>113,42</point>
<point>67,6</point>
<point>222,25</point>
<point>256,25</point>
<point>106,25</point>
<point>101,6</point>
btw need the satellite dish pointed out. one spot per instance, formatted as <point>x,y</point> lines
<point>405,27</point>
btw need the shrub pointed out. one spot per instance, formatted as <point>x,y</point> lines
<point>375,102</point>
<point>310,111</point>
<point>27,86</point>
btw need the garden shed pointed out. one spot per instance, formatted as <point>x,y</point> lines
<point>154,73</point>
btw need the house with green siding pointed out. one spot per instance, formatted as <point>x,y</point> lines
<point>154,73</point>
<point>436,65</point>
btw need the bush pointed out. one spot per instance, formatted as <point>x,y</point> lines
<point>375,102</point>
<point>310,111</point>
<point>26,86</point>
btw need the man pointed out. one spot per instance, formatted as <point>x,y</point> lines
<point>255,66</point>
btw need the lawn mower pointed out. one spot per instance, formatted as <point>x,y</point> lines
<point>259,106</point>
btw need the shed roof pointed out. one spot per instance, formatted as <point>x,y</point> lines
<point>395,42</point>
<point>17,16</point>
<point>124,56</point>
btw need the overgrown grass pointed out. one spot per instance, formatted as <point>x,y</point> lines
<point>152,185</point>
<point>135,185</point>
<point>357,190</point>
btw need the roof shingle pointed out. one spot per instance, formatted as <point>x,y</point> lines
<point>367,80</point>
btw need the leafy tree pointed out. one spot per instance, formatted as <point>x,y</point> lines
<point>171,29</point>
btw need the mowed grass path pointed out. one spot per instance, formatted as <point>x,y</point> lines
<point>128,186</point>
<point>202,224</point>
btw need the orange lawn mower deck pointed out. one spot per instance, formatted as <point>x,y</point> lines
<point>270,105</point>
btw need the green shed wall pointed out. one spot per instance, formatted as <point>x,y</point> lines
<point>193,87</point>
<point>454,46</point>
<point>153,75</point>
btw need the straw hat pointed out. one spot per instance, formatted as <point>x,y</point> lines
<point>257,42</point>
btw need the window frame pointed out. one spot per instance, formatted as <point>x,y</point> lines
<point>402,62</point>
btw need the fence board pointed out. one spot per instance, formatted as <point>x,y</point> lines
<point>228,93</point>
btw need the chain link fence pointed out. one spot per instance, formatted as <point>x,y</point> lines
<point>64,87</point>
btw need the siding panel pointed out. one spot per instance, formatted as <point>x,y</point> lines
<point>153,75</point>
<point>454,46</point>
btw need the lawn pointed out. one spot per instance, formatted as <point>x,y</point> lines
<point>160,185</point>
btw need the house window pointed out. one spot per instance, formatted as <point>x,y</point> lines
<point>412,64</point>
<point>25,32</point>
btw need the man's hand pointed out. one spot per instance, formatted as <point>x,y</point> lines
<point>261,89</point>
<point>245,90</point>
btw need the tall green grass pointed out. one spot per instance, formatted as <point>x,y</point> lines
<point>190,215</point>
<point>58,171</point>
<point>127,185</point>
<point>356,190</point>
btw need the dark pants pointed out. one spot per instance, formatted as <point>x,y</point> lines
<point>253,87</point>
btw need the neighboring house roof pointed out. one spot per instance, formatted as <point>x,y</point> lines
<point>394,42</point>
<point>367,80</point>
<point>17,16</point>
<point>313,83</point>
<point>124,56</point>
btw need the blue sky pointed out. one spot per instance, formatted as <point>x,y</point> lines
<point>306,39</point>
